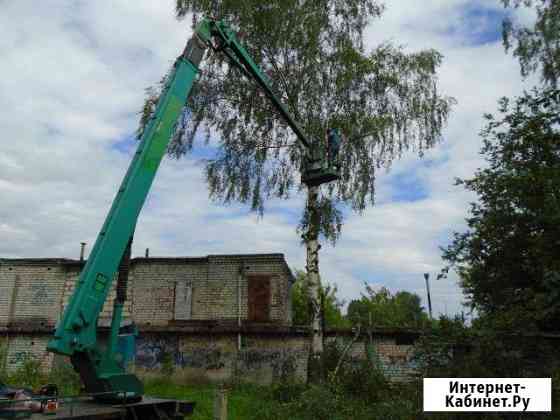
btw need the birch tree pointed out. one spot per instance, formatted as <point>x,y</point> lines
<point>384,100</point>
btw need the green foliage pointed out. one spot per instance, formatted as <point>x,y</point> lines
<point>384,101</point>
<point>383,309</point>
<point>537,48</point>
<point>301,304</point>
<point>286,392</point>
<point>360,391</point>
<point>452,349</point>
<point>28,374</point>
<point>3,358</point>
<point>167,364</point>
<point>64,375</point>
<point>508,259</point>
<point>485,351</point>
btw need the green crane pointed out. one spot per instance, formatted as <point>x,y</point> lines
<point>101,369</point>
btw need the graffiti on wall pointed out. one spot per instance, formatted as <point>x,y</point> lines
<point>19,357</point>
<point>40,294</point>
<point>155,351</point>
<point>151,352</point>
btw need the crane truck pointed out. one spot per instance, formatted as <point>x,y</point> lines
<point>100,367</point>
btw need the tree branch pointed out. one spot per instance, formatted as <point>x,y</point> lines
<point>343,355</point>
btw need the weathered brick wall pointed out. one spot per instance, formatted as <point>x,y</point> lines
<point>38,290</point>
<point>223,268</point>
<point>31,292</point>
<point>27,346</point>
<point>395,360</point>
<point>34,293</point>
<point>152,286</point>
<point>264,357</point>
<point>215,284</point>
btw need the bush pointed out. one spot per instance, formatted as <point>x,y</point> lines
<point>28,374</point>
<point>3,359</point>
<point>167,364</point>
<point>361,379</point>
<point>353,389</point>
<point>64,375</point>
<point>286,392</point>
<point>317,403</point>
<point>485,350</point>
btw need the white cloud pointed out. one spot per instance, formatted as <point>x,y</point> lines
<point>72,80</point>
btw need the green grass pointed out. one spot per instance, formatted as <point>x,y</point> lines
<point>243,400</point>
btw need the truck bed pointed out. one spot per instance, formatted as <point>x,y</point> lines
<point>148,408</point>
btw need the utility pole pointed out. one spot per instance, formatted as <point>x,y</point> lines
<point>427,277</point>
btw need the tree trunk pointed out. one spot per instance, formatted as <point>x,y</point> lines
<point>315,366</point>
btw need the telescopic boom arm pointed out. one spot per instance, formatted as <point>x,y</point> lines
<point>317,168</point>
<point>220,37</point>
<point>76,332</point>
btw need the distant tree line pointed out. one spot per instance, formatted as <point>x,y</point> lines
<point>375,308</point>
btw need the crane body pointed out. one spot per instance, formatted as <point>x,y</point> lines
<point>100,368</point>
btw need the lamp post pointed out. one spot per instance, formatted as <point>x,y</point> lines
<point>427,277</point>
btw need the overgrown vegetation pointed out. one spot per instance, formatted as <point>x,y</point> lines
<point>375,308</point>
<point>354,388</point>
<point>3,357</point>
<point>29,373</point>
<point>330,304</point>
<point>381,308</point>
<point>341,396</point>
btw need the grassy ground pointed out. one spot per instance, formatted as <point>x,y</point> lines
<point>242,400</point>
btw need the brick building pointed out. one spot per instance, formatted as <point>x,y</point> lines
<point>218,317</point>
<point>162,291</point>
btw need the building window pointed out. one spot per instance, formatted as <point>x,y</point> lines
<point>258,298</point>
<point>183,300</point>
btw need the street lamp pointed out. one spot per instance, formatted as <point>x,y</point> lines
<point>427,277</point>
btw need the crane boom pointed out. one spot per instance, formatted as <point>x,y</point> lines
<point>76,332</point>
<point>316,169</point>
<point>228,43</point>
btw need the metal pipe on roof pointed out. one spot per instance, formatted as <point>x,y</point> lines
<point>82,250</point>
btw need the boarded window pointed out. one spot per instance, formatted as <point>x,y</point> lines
<point>259,298</point>
<point>183,300</point>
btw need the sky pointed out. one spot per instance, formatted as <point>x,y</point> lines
<point>73,76</point>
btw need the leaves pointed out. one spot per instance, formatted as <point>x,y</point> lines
<point>382,309</point>
<point>537,48</point>
<point>384,102</point>
<point>301,305</point>
<point>509,256</point>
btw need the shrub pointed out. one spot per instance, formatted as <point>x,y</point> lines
<point>64,375</point>
<point>167,364</point>
<point>28,374</point>
<point>3,359</point>
<point>286,392</point>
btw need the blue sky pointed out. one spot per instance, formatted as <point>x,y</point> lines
<point>479,24</point>
<point>74,75</point>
